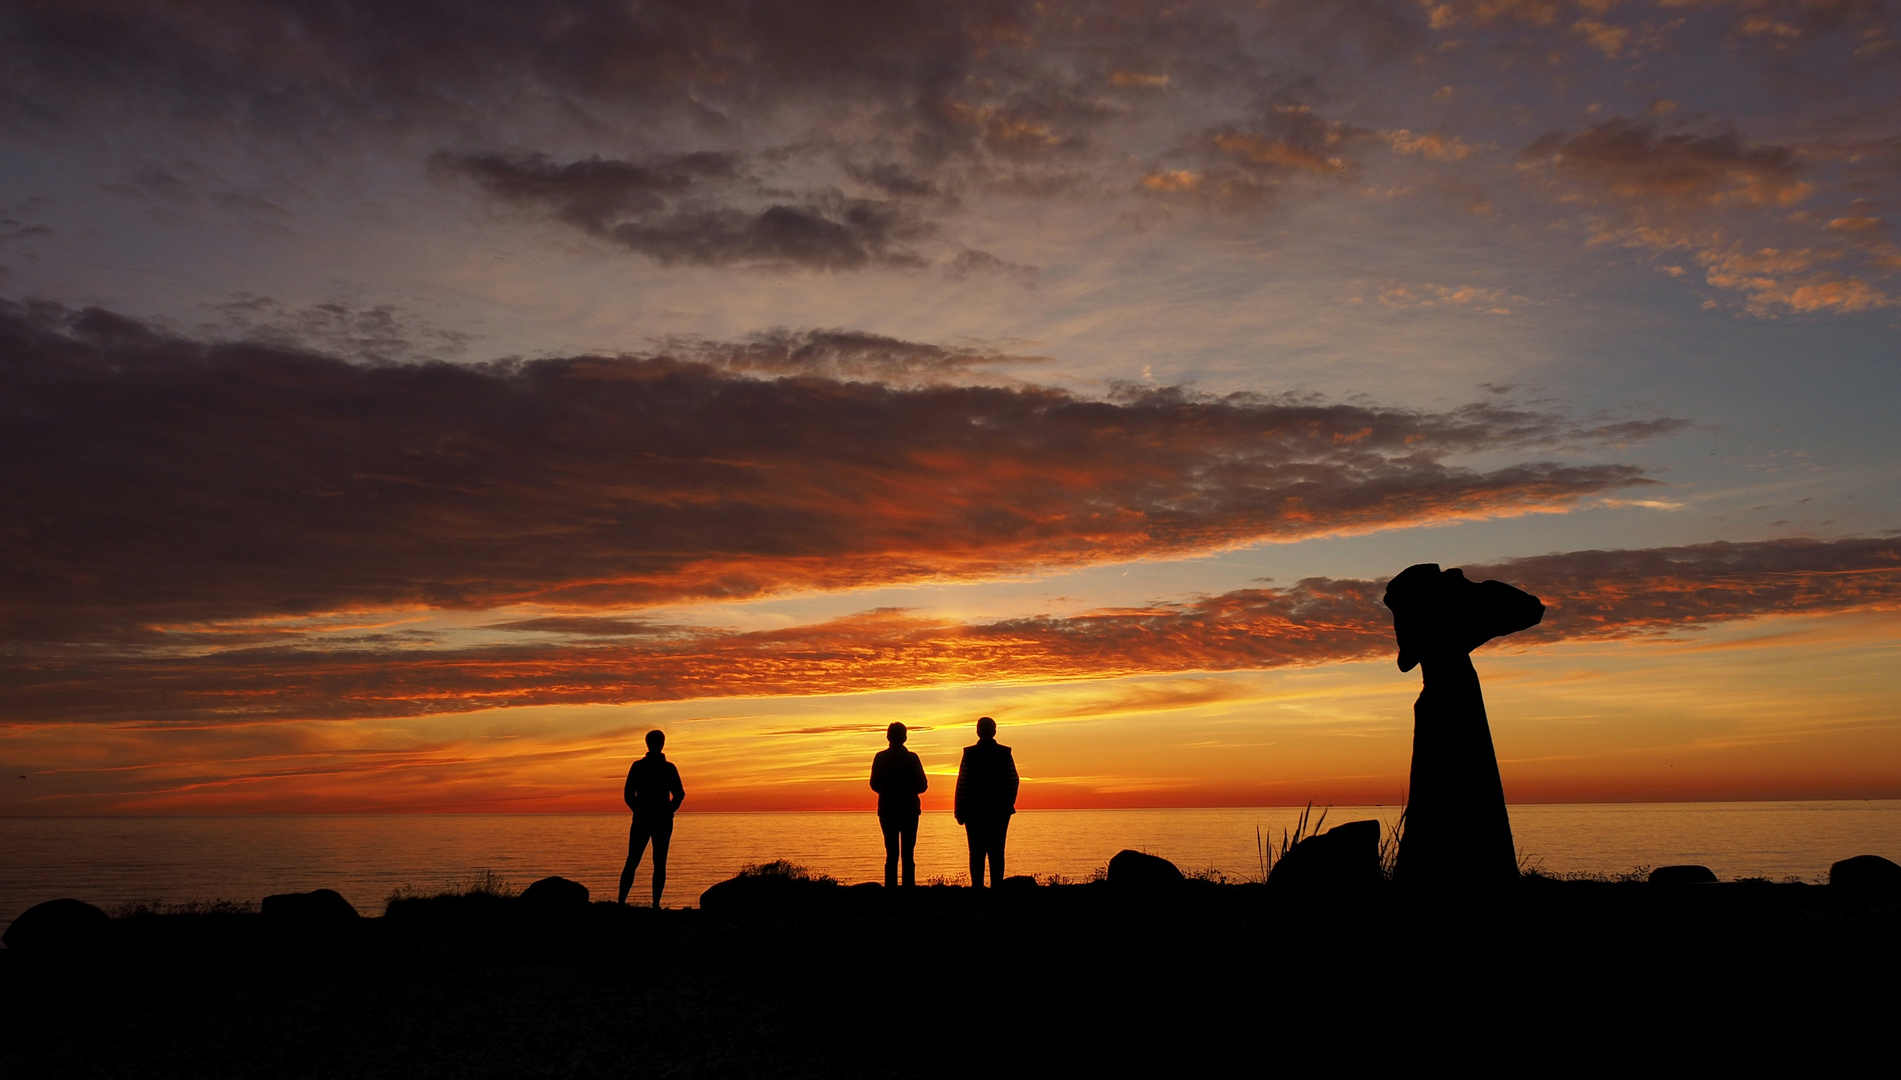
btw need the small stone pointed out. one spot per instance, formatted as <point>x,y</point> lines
<point>1140,870</point>
<point>1865,872</point>
<point>1689,874</point>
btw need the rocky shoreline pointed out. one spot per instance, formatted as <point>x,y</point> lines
<point>792,976</point>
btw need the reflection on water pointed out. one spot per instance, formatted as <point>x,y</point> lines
<point>117,861</point>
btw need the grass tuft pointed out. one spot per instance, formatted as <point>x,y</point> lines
<point>1389,845</point>
<point>1634,874</point>
<point>1264,852</point>
<point>188,907</point>
<point>487,883</point>
<point>1530,863</point>
<point>783,868</point>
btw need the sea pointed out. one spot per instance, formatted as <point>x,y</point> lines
<point>120,863</point>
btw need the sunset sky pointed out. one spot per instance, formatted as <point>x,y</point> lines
<point>406,406</point>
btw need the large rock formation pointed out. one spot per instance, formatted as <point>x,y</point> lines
<point>1457,830</point>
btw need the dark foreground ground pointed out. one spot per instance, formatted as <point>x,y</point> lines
<point>1204,980</point>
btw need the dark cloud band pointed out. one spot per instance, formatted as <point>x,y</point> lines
<point>665,210</point>
<point>153,480</point>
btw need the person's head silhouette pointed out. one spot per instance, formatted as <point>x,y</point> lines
<point>895,734</point>
<point>986,728</point>
<point>655,740</point>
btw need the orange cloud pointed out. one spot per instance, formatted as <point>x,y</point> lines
<point>1247,165</point>
<point>1635,162</point>
<point>1722,198</point>
<point>1589,595</point>
<point>1171,180</point>
<point>1428,144</point>
<point>1260,152</point>
<point>1487,12</point>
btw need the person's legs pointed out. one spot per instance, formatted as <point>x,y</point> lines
<point>997,835</point>
<point>636,847</point>
<point>909,840</point>
<point>662,837</point>
<point>986,844</point>
<point>891,827</point>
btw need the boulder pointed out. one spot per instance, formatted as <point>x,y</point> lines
<point>553,894</point>
<point>1018,883</point>
<point>1683,875</point>
<point>1865,872</point>
<point>753,894</point>
<point>450,914</point>
<point>1344,858</point>
<point>1142,871</point>
<point>63,925</point>
<point>318,907</point>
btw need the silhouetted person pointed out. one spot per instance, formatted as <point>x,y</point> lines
<point>1457,830</point>
<point>654,795</point>
<point>986,797</point>
<point>898,777</point>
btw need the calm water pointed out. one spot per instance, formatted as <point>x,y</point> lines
<point>118,861</point>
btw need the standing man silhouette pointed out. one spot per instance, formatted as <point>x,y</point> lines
<point>986,797</point>
<point>898,777</point>
<point>654,794</point>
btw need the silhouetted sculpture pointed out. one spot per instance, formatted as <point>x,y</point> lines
<point>898,777</point>
<point>986,797</point>
<point>654,794</point>
<point>1457,830</point>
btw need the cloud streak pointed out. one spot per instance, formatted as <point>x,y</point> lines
<point>154,481</point>
<point>1636,162</point>
<point>1590,595</point>
<point>662,210</point>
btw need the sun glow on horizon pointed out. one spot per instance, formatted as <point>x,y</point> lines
<point>1714,714</point>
